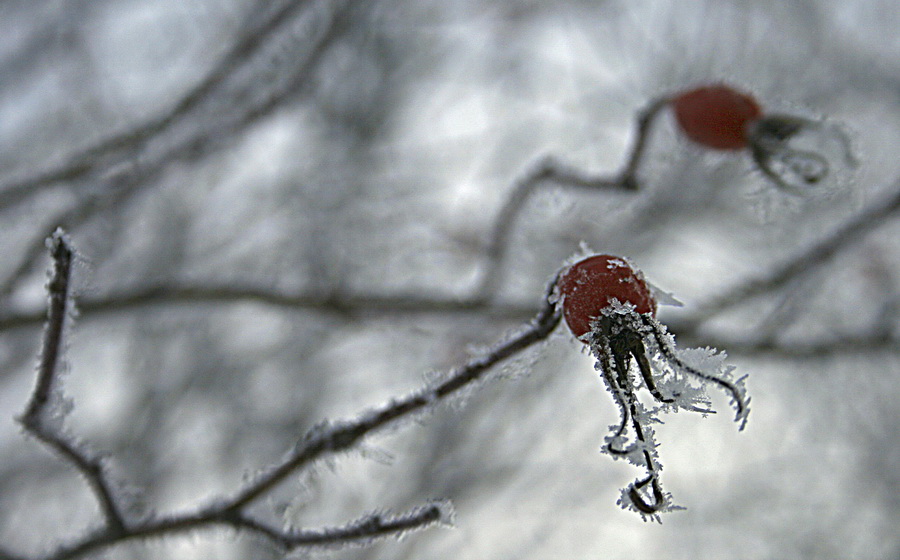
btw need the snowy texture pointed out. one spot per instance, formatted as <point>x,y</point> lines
<point>635,351</point>
<point>290,209</point>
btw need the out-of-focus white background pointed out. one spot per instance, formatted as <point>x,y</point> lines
<point>298,239</point>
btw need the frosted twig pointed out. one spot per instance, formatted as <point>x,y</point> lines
<point>334,437</point>
<point>58,289</point>
<point>736,390</point>
<point>344,435</point>
<point>372,526</point>
<point>35,417</point>
<point>613,360</point>
<point>347,305</point>
<point>549,170</point>
<point>368,527</point>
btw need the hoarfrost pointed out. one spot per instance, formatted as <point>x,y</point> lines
<point>634,351</point>
<point>631,449</point>
<point>625,502</point>
<point>617,307</point>
<point>712,362</point>
<point>663,297</point>
<point>381,524</point>
<point>377,454</point>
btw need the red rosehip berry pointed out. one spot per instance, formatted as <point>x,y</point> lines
<point>590,285</point>
<point>716,116</point>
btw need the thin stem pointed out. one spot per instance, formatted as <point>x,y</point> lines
<point>34,419</point>
<point>737,394</point>
<point>803,263</point>
<point>345,434</point>
<point>638,500</point>
<point>640,356</point>
<point>499,241</point>
<point>653,471</point>
<point>51,349</point>
<point>370,526</point>
<point>645,121</point>
<point>549,170</point>
<point>623,385</point>
<point>621,388</point>
<point>607,365</point>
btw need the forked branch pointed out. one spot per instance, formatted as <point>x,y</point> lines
<point>321,441</point>
<point>549,170</point>
<point>45,400</point>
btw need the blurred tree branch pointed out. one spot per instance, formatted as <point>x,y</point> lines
<point>548,170</point>
<point>805,262</point>
<point>124,146</point>
<point>120,184</point>
<point>355,305</point>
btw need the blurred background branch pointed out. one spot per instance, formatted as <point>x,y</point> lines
<point>289,211</point>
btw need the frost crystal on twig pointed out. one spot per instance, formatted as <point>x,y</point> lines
<point>677,380</point>
<point>47,407</point>
<point>323,441</point>
<point>610,307</point>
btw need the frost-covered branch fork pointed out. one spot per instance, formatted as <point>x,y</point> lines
<point>43,410</point>
<point>44,413</point>
<point>549,170</point>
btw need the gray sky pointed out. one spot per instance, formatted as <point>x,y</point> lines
<point>281,221</point>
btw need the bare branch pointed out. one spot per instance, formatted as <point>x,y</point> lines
<point>345,305</point>
<point>342,435</point>
<point>549,170</point>
<point>100,155</point>
<point>372,526</point>
<point>804,263</point>
<point>35,417</point>
<point>196,146</point>
<point>318,443</point>
<point>58,290</point>
<point>369,527</point>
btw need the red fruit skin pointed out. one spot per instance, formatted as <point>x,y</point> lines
<point>716,116</point>
<point>589,286</point>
